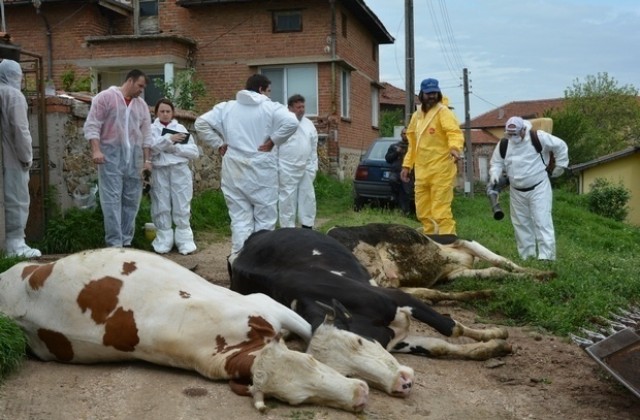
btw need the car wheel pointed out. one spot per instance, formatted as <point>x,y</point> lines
<point>358,203</point>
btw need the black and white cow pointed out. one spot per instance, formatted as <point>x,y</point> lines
<point>399,256</point>
<point>301,267</point>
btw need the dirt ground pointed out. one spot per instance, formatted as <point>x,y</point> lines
<point>547,377</point>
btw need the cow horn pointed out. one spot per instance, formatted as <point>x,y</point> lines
<point>330,313</point>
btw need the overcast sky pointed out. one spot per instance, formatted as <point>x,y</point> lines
<point>513,50</point>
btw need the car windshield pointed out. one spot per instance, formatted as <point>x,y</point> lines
<point>379,150</point>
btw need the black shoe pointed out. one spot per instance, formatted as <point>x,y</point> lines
<point>306,227</point>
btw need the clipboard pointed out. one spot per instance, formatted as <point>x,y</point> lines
<point>169,131</point>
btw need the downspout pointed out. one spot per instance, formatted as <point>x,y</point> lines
<point>334,134</point>
<point>37,4</point>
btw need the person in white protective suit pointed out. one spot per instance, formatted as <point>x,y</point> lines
<point>530,191</point>
<point>297,168</point>
<point>244,131</point>
<point>118,128</point>
<point>171,181</point>
<point>17,158</point>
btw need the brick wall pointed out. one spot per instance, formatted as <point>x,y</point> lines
<point>227,37</point>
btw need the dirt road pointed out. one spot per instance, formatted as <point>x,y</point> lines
<point>546,378</point>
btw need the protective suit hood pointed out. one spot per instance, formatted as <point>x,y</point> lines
<point>10,73</point>
<point>249,97</point>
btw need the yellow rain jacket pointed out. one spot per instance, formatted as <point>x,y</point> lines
<point>431,137</point>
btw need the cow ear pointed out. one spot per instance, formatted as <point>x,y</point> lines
<point>330,314</point>
<point>338,308</point>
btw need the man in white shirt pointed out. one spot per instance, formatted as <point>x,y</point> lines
<point>244,131</point>
<point>297,167</point>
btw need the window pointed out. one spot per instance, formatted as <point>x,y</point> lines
<point>375,106</point>
<point>148,19</point>
<point>148,8</point>
<point>287,21</point>
<point>345,87</point>
<point>289,80</point>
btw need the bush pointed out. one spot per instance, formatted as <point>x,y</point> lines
<point>608,200</point>
<point>13,345</point>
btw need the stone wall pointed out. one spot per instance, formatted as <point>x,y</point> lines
<point>69,155</point>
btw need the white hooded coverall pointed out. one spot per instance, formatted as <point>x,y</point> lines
<point>249,178</point>
<point>17,156</point>
<point>172,189</point>
<point>297,167</point>
<point>123,132</point>
<point>531,209</point>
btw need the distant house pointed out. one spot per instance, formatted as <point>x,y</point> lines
<point>619,167</point>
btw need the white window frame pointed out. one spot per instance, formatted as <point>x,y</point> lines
<point>375,106</point>
<point>310,92</point>
<point>345,97</point>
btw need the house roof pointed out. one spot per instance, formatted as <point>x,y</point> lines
<point>391,95</point>
<point>482,137</point>
<point>525,109</point>
<point>606,158</point>
<point>357,7</point>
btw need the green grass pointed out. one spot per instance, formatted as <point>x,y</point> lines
<point>597,258</point>
<point>12,347</point>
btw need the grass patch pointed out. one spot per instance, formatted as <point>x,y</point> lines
<point>13,345</point>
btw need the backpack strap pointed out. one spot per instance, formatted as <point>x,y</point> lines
<point>535,140</point>
<point>503,147</point>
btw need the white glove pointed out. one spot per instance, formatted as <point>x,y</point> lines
<point>557,171</point>
<point>493,180</point>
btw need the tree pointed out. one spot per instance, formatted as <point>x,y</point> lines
<point>183,90</point>
<point>599,117</point>
<point>390,119</point>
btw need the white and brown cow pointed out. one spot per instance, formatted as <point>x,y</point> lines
<point>302,268</point>
<point>121,304</point>
<point>398,256</point>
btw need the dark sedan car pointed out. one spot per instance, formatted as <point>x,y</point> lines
<point>371,180</point>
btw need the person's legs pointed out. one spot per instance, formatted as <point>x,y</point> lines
<point>541,205</point>
<point>131,196</point>
<point>161,209</point>
<point>181,195</point>
<point>288,179</point>
<point>16,213</point>
<point>307,200</point>
<point>522,223</point>
<point>110,184</point>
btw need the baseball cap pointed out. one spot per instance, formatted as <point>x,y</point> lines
<point>514,125</point>
<point>429,86</point>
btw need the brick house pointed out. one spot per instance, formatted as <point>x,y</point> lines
<point>325,50</point>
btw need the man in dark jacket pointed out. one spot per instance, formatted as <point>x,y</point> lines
<point>402,191</point>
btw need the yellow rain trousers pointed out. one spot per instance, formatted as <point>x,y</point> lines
<point>431,137</point>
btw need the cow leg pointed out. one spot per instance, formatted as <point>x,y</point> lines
<point>501,266</point>
<point>487,334</point>
<point>433,295</point>
<point>437,347</point>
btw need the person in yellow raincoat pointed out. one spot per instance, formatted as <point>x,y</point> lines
<point>435,145</point>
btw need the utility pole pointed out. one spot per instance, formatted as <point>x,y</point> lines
<point>409,52</point>
<point>468,156</point>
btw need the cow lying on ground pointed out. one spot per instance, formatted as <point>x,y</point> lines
<point>399,256</point>
<point>120,304</point>
<point>300,267</point>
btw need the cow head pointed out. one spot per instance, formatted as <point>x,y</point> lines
<point>353,355</point>
<point>297,378</point>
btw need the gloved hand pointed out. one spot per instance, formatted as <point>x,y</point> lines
<point>557,171</point>
<point>493,180</point>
